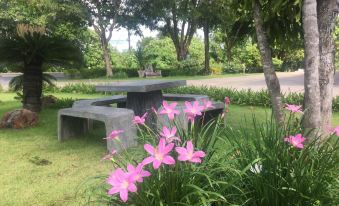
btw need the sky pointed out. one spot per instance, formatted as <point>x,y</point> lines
<point>120,38</point>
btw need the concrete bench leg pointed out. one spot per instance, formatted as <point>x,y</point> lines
<point>121,105</point>
<point>212,114</point>
<point>71,127</point>
<point>127,139</point>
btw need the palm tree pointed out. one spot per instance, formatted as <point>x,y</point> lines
<point>32,49</point>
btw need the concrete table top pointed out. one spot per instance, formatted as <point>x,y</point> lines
<point>139,85</point>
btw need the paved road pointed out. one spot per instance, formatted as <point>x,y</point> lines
<point>289,82</point>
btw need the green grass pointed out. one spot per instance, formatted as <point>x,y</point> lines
<point>27,180</point>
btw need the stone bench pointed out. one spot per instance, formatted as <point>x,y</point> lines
<point>76,121</point>
<point>120,100</point>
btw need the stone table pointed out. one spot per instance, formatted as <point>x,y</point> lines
<point>142,95</point>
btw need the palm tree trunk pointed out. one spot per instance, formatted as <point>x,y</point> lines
<point>327,13</point>
<point>312,116</point>
<point>271,78</point>
<point>207,47</point>
<point>32,87</point>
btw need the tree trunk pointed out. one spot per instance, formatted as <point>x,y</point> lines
<point>32,87</point>
<point>271,78</point>
<point>207,47</point>
<point>129,40</point>
<point>107,57</point>
<point>181,52</point>
<point>327,13</point>
<point>312,116</point>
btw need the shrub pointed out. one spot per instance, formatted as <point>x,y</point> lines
<point>239,97</point>
<point>96,73</point>
<point>189,67</point>
<point>120,75</point>
<point>63,103</point>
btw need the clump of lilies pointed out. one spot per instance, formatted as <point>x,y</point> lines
<point>169,151</point>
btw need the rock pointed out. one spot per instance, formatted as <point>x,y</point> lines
<point>49,100</point>
<point>18,119</point>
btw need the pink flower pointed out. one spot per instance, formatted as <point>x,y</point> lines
<point>188,154</point>
<point>169,135</point>
<point>335,130</point>
<point>227,101</point>
<point>137,173</point>
<point>208,104</point>
<point>109,155</point>
<point>140,120</point>
<point>193,110</point>
<point>114,134</point>
<point>293,108</point>
<point>296,141</point>
<point>121,183</point>
<point>169,109</point>
<point>159,154</point>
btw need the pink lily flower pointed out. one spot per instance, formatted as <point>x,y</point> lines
<point>208,104</point>
<point>296,141</point>
<point>169,135</point>
<point>169,109</point>
<point>293,108</point>
<point>121,183</point>
<point>140,120</point>
<point>137,173</point>
<point>188,154</point>
<point>109,155</point>
<point>159,154</point>
<point>114,134</point>
<point>227,101</point>
<point>335,130</point>
<point>193,110</point>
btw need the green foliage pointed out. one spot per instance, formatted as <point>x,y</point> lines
<point>64,18</point>
<point>120,75</point>
<point>16,83</point>
<point>73,88</point>
<point>280,174</point>
<point>92,51</point>
<point>125,59</point>
<point>95,73</point>
<point>63,103</point>
<point>196,51</point>
<point>189,67</point>
<point>159,52</point>
<point>245,97</point>
<point>38,48</point>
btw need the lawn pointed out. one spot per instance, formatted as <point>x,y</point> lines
<point>36,169</point>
